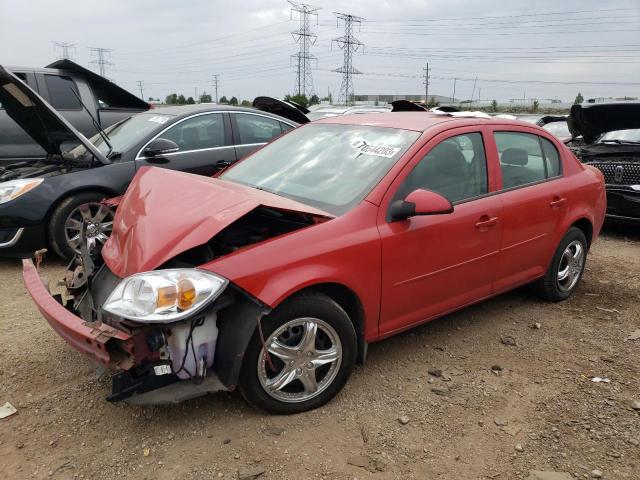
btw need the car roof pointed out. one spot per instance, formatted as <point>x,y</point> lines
<point>180,110</point>
<point>416,121</point>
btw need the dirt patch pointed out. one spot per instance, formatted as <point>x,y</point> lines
<point>464,423</point>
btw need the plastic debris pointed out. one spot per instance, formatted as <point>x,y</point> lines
<point>600,380</point>
<point>7,410</point>
<point>146,451</point>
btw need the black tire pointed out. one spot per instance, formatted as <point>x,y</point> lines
<point>56,227</point>
<point>316,306</point>
<point>548,287</point>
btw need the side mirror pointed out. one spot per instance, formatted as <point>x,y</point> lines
<point>419,202</point>
<point>159,147</point>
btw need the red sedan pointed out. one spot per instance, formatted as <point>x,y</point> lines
<point>275,276</point>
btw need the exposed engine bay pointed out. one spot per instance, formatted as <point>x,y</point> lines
<point>50,166</point>
<point>161,354</point>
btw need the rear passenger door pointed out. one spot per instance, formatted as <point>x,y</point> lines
<point>204,142</point>
<point>253,130</point>
<point>533,198</point>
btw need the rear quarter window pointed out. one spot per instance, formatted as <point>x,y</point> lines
<point>551,157</point>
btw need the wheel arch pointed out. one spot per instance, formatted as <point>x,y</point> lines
<point>83,189</point>
<point>349,301</point>
<point>585,225</point>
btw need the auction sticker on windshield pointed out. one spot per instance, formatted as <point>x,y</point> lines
<point>365,148</point>
<point>159,119</point>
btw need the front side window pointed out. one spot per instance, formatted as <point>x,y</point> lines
<point>456,168</point>
<point>522,160</point>
<point>126,133</point>
<point>61,96</point>
<point>196,133</point>
<point>257,129</point>
<point>331,167</point>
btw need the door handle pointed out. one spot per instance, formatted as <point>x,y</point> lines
<point>485,221</point>
<point>557,202</point>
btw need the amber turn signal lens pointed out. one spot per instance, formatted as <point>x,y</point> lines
<point>186,294</point>
<point>166,297</point>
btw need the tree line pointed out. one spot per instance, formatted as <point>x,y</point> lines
<point>175,99</point>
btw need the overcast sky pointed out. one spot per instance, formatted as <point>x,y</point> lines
<point>515,48</point>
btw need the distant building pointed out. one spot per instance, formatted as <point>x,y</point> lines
<point>382,99</point>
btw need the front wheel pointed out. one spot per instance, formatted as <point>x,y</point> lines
<point>566,267</point>
<point>66,223</point>
<point>308,354</point>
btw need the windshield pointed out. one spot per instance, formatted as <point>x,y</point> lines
<point>125,134</point>
<point>631,136</point>
<point>558,129</point>
<point>331,167</point>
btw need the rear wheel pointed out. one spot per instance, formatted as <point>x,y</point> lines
<point>567,266</point>
<point>308,354</point>
<point>66,223</point>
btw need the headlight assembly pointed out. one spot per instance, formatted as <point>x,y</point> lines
<point>14,188</point>
<point>164,296</point>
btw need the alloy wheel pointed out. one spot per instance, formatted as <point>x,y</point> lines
<point>571,265</point>
<point>304,359</point>
<point>99,223</point>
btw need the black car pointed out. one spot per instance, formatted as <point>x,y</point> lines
<point>47,202</point>
<point>611,142</point>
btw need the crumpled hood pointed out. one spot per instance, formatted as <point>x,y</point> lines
<point>164,213</point>
<point>593,119</point>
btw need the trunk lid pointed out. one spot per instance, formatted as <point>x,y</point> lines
<point>290,110</point>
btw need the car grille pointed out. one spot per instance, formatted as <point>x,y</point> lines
<point>630,174</point>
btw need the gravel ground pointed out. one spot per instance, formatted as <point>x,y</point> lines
<point>447,400</point>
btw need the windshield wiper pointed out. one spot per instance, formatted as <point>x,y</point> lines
<point>96,125</point>
<point>620,142</point>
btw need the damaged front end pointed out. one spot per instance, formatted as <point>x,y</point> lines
<point>141,305</point>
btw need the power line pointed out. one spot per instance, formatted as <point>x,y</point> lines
<point>305,38</point>
<point>101,61</point>
<point>349,45</point>
<point>65,47</point>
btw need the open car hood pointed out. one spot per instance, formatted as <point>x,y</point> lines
<point>165,212</point>
<point>39,119</point>
<point>594,119</point>
<point>290,110</point>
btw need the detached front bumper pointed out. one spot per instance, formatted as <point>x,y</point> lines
<point>94,341</point>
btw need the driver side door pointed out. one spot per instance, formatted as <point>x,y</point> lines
<point>435,264</point>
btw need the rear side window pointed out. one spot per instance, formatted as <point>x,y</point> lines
<point>521,158</point>
<point>257,129</point>
<point>61,90</point>
<point>552,158</point>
